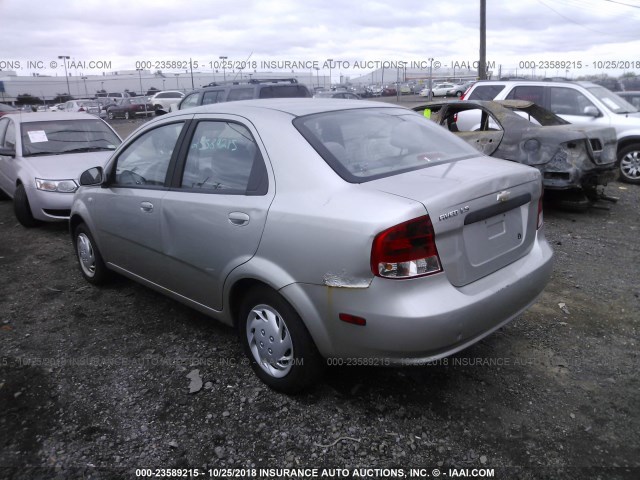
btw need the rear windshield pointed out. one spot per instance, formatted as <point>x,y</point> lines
<point>284,91</point>
<point>485,92</point>
<point>365,144</point>
<point>65,136</point>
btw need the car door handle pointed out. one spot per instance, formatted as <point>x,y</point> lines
<point>146,207</point>
<point>239,219</point>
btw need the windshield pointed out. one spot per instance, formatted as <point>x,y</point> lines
<point>365,144</point>
<point>612,101</point>
<point>62,136</point>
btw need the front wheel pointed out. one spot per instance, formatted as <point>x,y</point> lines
<point>92,266</point>
<point>630,164</point>
<point>126,115</point>
<point>22,209</point>
<point>110,115</point>
<point>277,343</point>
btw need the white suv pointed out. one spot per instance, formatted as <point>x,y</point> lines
<point>162,101</point>
<point>581,103</point>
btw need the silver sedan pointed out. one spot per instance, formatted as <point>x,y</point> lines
<point>325,232</point>
<point>42,156</point>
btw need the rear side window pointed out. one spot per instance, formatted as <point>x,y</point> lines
<point>212,97</point>
<point>284,91</point>
<point>485,92</point>
<point>240,94</point>
<point>529,93</point>
<point>224,158</point>
<point>365,144</point>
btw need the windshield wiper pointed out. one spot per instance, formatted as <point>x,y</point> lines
<point>87,149</point>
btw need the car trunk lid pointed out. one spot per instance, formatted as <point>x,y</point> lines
<point>484,212</point>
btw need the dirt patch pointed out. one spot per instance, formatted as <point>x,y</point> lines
<point>93,381</point>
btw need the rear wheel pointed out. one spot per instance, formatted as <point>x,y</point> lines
<point>630,164</point>
<point>126,115</point>
<point>22,209</point>
<point>110,115</point>
<point>277,343</point>
<point>91,264</point>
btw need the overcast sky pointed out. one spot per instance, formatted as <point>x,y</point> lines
<point>124,32</point>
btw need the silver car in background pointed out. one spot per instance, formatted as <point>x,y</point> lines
<point>322,230</point>
<point>42,156</point>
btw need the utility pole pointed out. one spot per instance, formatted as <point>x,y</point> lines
<point>482,65</point>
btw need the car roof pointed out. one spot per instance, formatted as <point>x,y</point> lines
<point>49,116</point>
<point>292,106</point>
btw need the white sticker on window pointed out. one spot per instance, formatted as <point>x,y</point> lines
<point>38,136</point>
<point>610,103</point>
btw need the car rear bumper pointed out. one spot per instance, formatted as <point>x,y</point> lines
<point>419,320</point>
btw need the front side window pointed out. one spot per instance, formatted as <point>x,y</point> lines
<point>224,158</point>
<point>190,101</point>
<point>145,162</point>
<point>567,101</point>
<point>366,144</point>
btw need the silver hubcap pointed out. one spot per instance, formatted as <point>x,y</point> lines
<point>86,255</point>
<point>630,165</point>
<point>269,340</point>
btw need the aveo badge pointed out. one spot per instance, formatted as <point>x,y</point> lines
<point>453,213</point>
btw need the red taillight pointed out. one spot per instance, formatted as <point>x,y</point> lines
<point>462,97</point>
<point>406,250</point>
<point>81,109</point>
<point>540,216</point>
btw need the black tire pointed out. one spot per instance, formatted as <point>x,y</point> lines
<point>110,115</point>
<point>126,115</point>
<point>629,158</point>
<point>458,94</point>
<point>22,209</point>
<point>295,362</point>
<point>90,260</point>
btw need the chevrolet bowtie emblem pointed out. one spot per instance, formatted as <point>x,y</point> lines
<point>503,196</point>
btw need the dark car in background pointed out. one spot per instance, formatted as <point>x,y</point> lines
<point>130,108</point>
<point>253,89</point>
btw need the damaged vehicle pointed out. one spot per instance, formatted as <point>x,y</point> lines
<point>579,160</point>
<point>327,233</point>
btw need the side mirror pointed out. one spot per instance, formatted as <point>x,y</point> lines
<point>7,152</point>
<point>93,176</point>
<point>591,111</point>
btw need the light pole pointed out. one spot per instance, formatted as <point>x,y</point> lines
<point>64,58</point>
<point>330,60</point>
<point>317,76</point>
<point>84,79</point>
<point>146,112</point>
<point>430,79</point>
<point>224,72</point>
<point>177,75</point>
<point>163,80</point>
<point>102,87</point>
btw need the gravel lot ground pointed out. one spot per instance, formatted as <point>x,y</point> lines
<point>94,382</point>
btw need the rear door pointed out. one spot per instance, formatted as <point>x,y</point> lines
<point>215,212</point>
